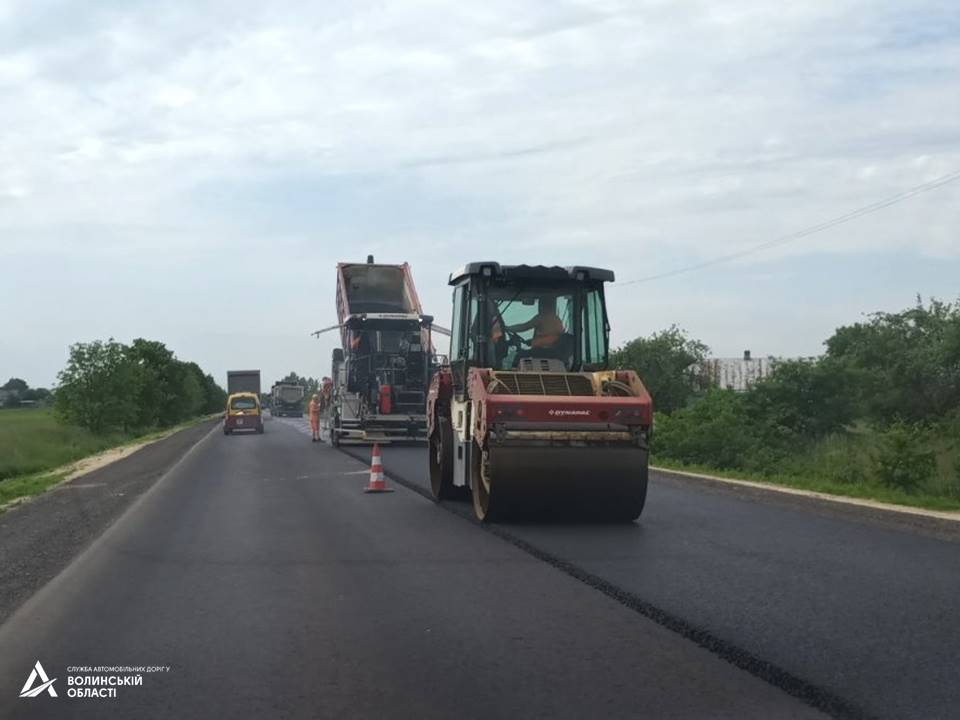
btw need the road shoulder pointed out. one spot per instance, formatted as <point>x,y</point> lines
<point>41,537</point>
<point>944,525</point>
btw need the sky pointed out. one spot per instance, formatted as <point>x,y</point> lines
<point>192,172</point>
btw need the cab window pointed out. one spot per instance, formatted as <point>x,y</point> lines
<point>243,403</point>
<point>594,333</point>
<point>456,327</point>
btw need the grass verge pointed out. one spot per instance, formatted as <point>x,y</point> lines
<point>32,441</point>
<point>861,490</point>
<point>46,453</point>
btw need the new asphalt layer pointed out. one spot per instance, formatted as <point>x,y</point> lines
<point>270,585</point>
<point>848,609</point>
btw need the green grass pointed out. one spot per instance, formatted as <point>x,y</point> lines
<point>26,486</point>
<point>864,488</point>
<point>33,443</point>
<point>847,463</point>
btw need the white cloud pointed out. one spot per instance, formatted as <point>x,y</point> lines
<point>642,135</point>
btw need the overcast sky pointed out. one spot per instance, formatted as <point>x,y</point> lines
<point>191,172</point>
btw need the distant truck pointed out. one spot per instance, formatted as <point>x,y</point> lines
<point>287,399</point>
<point>239,381</point>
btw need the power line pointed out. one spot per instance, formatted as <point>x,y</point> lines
<point>813,229</point>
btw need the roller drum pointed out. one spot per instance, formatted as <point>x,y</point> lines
<point>591,482</point>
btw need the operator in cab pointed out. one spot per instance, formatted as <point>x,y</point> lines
<point>546,324</point>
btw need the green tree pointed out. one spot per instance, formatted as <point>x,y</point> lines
<point>902,365</point>
<point>99,387</point>
<point>190,391</point>
<point>801,397</point>
<point>40,395</point>
<point>903,458</point>
<point>15,385</point>
<point>157,396</point>
<point>213,398</point>
<point>216,395</point>
<point>668,363</point>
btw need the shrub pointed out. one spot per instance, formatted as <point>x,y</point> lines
<point>903,459</point>
<point>806,398</point>
<point>667,364</point>
<point>713,431</point>
<point>841,458</point>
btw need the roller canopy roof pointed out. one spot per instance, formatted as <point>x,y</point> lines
<point>531,272</point>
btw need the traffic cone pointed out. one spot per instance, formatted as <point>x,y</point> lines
<point>378,483</point>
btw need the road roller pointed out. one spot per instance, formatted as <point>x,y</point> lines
<point>526,417</point>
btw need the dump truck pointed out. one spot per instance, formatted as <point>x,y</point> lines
<point>286,399</point>
<point>243,381</point>
<point>527,416</point>
<point>381,372</point>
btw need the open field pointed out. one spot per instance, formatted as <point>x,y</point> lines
<point>32,441</point>
<point>36,450</point>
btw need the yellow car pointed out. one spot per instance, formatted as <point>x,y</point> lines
<point>243,413</point>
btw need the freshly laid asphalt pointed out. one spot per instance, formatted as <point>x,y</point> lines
<point>859,612</point>
<point>258,571</point>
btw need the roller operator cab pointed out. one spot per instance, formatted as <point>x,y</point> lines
<point>527,417</point>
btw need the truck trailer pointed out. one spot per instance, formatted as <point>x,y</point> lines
<point>243,381</point>
<point>381,372</point>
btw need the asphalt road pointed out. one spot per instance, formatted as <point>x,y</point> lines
<point>265,580</point>
<point>859,610</point>
<point>271,586</point>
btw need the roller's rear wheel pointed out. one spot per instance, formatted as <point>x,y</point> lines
<point>335,431</point>
<point>441,463</point>
<point>482,485</point>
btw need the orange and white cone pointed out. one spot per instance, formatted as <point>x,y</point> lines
<point>378,483</point>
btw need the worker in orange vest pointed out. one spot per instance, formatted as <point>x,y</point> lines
<point>315,417</point>
<point>326,393</point>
